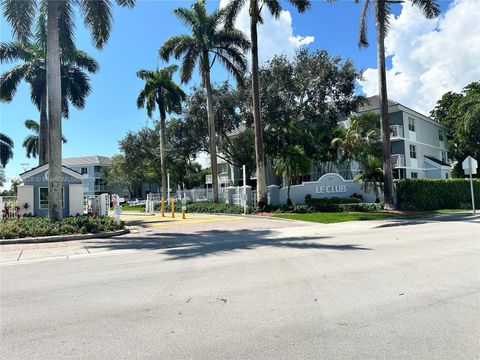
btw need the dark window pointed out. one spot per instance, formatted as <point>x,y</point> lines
<point>411,124</point>
<point>83,171</point>
<point>440,134</point>
<point>414,175</point>
<point>413,152</point>
<point>43,194</point>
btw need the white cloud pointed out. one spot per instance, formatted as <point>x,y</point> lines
<point>275,36</point>
<point>430,57</point>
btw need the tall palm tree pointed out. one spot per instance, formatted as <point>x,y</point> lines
<point>255,7</point>
<point>6,149</point>
<point>382,11</point>
<point>290,164</point>
<point>97,17</point>
<point>32,142</point>
<point>32,54</point>
<point>208,42</point>
<point>162,92</point>
<point>371,175</point>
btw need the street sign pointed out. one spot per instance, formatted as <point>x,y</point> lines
<point>184,208</point>
<point>470,165</point>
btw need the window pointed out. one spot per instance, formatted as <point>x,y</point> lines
<point>447,176</point>
<point>43,194</point>
<point>440,134</point>
<point>411,124</point>
<point>414,175</point>
<point>83,170</point>
<point>413,152</point>
<point>444,157</point>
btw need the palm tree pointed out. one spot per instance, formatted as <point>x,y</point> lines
<point>6,149</point>
<point>97,16</point>
<point>75,82</point>
<point>162,92</point>
<point>290,164</point>
<point>255,7</point>
<point>208,42</point>
<point>32,142</point>
<point>371,175</point>
<point>382,12</point>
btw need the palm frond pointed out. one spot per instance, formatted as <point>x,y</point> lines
<point>10,79</point>
<point>81,59</point>
<point>363,38</point>
<point>430,8</point>
<point>97,17</point>
<point>274,7</point>
<point>66,25</point>
<point>187,16</point>
<point>126,3</point>
<point>231,12</point>
<point>14,51</point>
<point>303,5</point>
<point>19,14</point>
<point>32,125</point>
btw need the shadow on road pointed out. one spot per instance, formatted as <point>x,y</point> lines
<point>204,243</point>
<point>430,218</point>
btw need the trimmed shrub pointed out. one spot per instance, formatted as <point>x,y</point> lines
<point>40,226</point>
<point>434,194</point>
<point>329,204</point>
<point>205,207</point>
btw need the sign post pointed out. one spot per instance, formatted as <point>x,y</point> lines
<point>469,166</point>
<point>244,190</point>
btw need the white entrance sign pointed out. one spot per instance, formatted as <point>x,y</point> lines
<point>331,189</point>
<point>470,165</point>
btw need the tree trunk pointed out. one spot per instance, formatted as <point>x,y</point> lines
<point>383,99</point>
<point>257,120</point>
<point>54,93</point>
<point>43,132</point>
<point>211,129</point>
<point>163,164</point>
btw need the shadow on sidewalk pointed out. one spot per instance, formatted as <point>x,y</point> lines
<point>430,218</point>
<point>214,242</point>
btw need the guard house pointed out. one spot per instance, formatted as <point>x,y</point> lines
<point>34,192</point>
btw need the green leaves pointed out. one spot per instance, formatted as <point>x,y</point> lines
<point>20,14</point>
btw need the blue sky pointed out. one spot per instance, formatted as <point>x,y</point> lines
<point>136,36</point>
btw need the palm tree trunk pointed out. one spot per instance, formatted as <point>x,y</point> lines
<point>163,164</point>
<point>383,98</point>
<point>211,130</point>
<point>54,93</point>
<point>257,120</point>
<point>43,132</point>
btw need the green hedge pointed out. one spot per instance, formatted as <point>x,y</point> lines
<point>434,194</point>
<point>355,207</point>
<point>205,207</point>
<point>30,226</point>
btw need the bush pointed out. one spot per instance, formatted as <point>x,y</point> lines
<point>329,204</point>
<point>205,207</point>
<point>434,194</point>
<point>39,226</point>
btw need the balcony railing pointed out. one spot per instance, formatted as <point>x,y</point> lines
<point>398,160</point>
<point>396,131</point>
<point>102,188</point>
<point>222,179</point>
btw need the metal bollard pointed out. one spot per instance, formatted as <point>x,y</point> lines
<point>173,207</point>
<point>163,207</point>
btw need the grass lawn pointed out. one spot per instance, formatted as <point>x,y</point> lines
<point>334,217</point>
<point>138,208</point>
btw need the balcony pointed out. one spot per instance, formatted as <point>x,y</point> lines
<point>397,160</point>
<point>101,188</point>
<point>396,131</point>
<point>222,179</point>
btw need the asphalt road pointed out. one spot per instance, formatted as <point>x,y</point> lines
<point>259,289</point>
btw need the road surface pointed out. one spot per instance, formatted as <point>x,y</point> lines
<point>249,289</point>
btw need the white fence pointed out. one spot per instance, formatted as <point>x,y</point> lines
<point>8,206</point>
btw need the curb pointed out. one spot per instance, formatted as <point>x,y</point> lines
<point>61,238</point>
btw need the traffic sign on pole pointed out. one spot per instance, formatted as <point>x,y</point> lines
<point>470,165</point>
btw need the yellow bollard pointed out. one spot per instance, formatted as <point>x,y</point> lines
<point>163,207</point>
<point>183,214</point>
<point>173,207</point>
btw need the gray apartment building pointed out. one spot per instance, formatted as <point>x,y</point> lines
<point>91,169</point>
<point>418,143</point>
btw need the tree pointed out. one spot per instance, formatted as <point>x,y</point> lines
<point>460,113</point>
<point>75,82</point>
<point>255,7</point>
<point>97,17</point>
<point>382,10</point>
<point>371,175</point>
<point>31,142</point>
<point>208,38</point>
<point>292,164</point>
<point>122,174</point>
<point>162,92</point>
<point>6,149</point>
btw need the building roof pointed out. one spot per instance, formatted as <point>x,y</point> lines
<point>373,102</point>
<point>437,161</point>
<point>239,130</point>
<point>86,160</point>
<point>40,168</point>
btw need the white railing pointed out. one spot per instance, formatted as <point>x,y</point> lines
<point>222,179</point>
<point>8,206</point>
<point>396,131</point>
<point>397,160</point>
